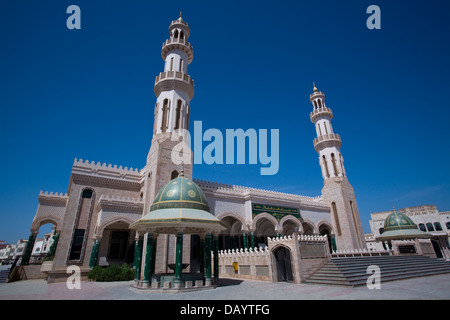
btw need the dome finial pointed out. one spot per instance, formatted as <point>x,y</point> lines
<point>180,14</point>
<point>315,89</point>
<point>182,171</point>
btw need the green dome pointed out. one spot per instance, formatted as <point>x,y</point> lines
<point>399,226</point>
<point>398,221</point>
<point>180,206</point>
<point>180,193</point>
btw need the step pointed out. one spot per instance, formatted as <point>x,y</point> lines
<point>352,271</point>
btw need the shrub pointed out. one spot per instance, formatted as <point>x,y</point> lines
<point>111,273</point>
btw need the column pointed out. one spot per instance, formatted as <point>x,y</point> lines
<point>208,241</point>
<point>178,260</point>
<point>149,260</point>
<point>216,258</point>
<point>253,240</point>
<point>94,254</point>
<point>29,248</point>
<point>245,236</point>
<point>202,254</point>
<point>137,258</point>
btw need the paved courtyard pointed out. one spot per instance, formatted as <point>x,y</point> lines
<point>433,287</point>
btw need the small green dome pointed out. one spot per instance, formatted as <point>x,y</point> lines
<point>180,193</point>
<point>398,221</point>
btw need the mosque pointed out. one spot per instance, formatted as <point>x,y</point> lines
<point>163,220</point>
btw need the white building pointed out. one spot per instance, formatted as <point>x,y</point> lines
<point>427,218</point>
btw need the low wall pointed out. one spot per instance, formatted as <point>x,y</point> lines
<point>253,264</point>
<point>307,253</point>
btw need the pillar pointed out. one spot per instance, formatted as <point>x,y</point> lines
<point>208,241</point>
<point>137,259</point>
<point>245,236</point>
<point>216,258</point>
<point>252,240</point>
<point>178,260</point>
<point>149,260</point>
<point>202,254</point>
<point>94,254</point>
<point>29,248</point>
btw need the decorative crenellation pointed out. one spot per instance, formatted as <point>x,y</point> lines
<point>98,165</point>
<point>244,191</point>
<point>300,237</point>
<point>244,252</point>
<point>53,194</point>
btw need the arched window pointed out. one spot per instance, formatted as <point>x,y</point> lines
<point>315,104</point>
<point>422,227</point>
<point>326,166</point>
<point>171,64</point>
<point>181,65</point>
<point>438,226</point>
<point>430,226</point>
<point>447,225</point>
<point>333,161</point>
<point>336,218</point>
<point>181,35</point>
<point>164,115</point>
<point>175,34</point>
<point>81,225</point>
<point>320,103</point>
<point>178,115</point>
<point>354,218</point>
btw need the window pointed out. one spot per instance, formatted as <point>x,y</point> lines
<point>430,226</point>
<point>422,227</point>
<point>77,244</point>
<point>181,65</point>
<point>164,115</point>
<point>447,225</point>
<point>87,193</point>
<point>174,175</point>
<point>326,166</point>
<point>336,218</point>
<point>438,226</point>
<point>333,161</point>
<point>178,115</point>
<point>118,246</point>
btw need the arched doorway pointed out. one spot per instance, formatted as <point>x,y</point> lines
<point>283,264</point>
<point>265,227</point>
<point>231,238</point>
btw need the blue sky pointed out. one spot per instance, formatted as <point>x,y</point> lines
<point>88,93</point>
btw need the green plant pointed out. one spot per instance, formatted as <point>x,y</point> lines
<point>111,273</point>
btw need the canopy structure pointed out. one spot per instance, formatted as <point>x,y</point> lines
<point>179,208</point>
<point>398,226</point>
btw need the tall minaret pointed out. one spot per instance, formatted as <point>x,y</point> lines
<point>174,90</point>
<point>337,191</point>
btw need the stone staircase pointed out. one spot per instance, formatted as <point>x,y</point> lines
<point>353,271</point>
<point>4,273</point>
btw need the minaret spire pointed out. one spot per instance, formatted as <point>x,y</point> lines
<point>337,191</point>
<point>174,88</point>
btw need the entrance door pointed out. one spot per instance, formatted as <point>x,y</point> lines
<point>283,264</point>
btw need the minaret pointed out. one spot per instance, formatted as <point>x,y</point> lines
<point>174,90</point>
<point>337,191</point>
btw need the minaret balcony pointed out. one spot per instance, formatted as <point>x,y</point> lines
<point>174,80</point>
<point>320,112</point>
<point>327,140</point>
<point>180,44</point>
